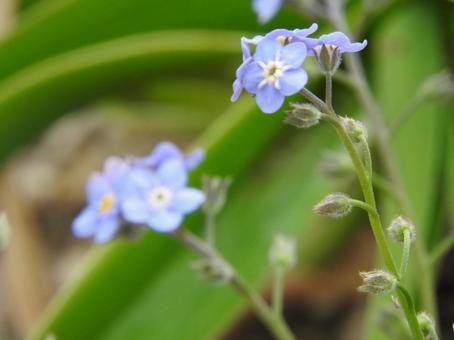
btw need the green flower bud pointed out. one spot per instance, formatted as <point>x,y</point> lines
<point>215,189</point>
<point>334,205</point>
<point>302,115</point>
<point>355,129</point>
<point>427,325</point>
<point>377,282</point>
<point>397,228</point>
<point>213,269</point>
<point>283,252</point>
<point>328,58</point>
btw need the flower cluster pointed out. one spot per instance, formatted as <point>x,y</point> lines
<point>275,69</point>
<point>150,191</point>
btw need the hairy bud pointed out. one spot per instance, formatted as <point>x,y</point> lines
<point>302,115</point>
<point>328,58</point>
<point>283,252</point>
<point>427,325</point>
<point>334,205</point>
<point>398,227</point>
<point>215,189</point>
<point>355,129</point>
<point>377,282</point>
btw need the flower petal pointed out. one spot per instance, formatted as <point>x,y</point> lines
<point>135,209</point>
<point>292,81</point>
<point>304,32</point>
<point>162,152</point>
<point>172,173</point>
<point>293,54</point>
<point>237,89</point>
<point>355,47</point>
<point>165,221</point>
<point>253,75</point>
<point>106,230</point>
<point>140,180</point>
<point>267,49</point>
<point>85,224</point>
<point>187,200</point>
<point>98,185</point>
<point>193,159</point>
<point>269,99</point>
<point>266,9</point>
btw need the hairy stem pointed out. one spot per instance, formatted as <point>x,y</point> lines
<point>275,324</point>
<point>405,252</point>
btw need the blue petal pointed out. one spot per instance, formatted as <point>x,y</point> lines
<point>187,200</point>
<point>140,180</point>
<point>85,224</point>
<point>304,32</point>
<point>172,173</point>
<point>193,159</point>
<point>355,47</point>
<point>279,32</point>
<point>310,44</point>
<point>269,99</point>
<point>267,50</point>
<point>162,152</point>
<point>165,221</point>
<point>237,84</point>
<point>237,89</point>
<point>135,209</point>
<point>338,39</point>
<point>266,9</point>
<point>253,75</point>
<point>293,54</point>
<point>98,186</point>
<point>106,230</point>
<point>292,81</point>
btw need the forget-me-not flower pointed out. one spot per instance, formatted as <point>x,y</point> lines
<point>101,218</point>
<point>342,42</point>
<point>160,198</point>
<point>266,9</point>
<point>275,72</point>
<point>167,150</point>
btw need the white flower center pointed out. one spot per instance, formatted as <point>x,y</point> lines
<point>273,71</point>
<point>159,197</point>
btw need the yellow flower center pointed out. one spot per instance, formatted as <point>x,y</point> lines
<point>273,71</point>
<point>284,40</point>
<point>106,203</point>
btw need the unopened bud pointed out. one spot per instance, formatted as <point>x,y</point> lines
<point>213,269</point>
<point>215,189</point>
<point>335,164</point>
<point>355,129</point>
<point>5,231</point>
<point>427,325</point>
<point>302,115</point>
<point>399,226</point>
<point>328,57</point>
<point>334,205</point>
<point>377,282</point>
<point>283,252</point>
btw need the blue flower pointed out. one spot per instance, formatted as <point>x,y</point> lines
<point>275,72</point>
<point>266,9</point>
<point>101,218</point>
<point>342,42</point>
<point>167,150</point>
<point>160,198</point>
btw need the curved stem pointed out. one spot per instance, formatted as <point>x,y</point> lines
<point>363,205</point>
<point>405,252</point>
<point>408,307</point>
<point>276,325</point>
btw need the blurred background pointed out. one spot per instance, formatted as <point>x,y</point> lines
<point>81,80</point>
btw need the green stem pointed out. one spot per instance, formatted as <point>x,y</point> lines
<point>441,249</point>
<point>329,90</point>
<point>384,150</point>
<point>363,205</point>
<point>209,229</point>
<point>367,156</point>
<point>275,324</point>
<point>405,252</point>
<point>408,307</point>
<point>278,291</point>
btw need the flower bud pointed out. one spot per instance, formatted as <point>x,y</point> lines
<point>5,231</point>
<point>335,164</point>
<point>215,189</point>
<point>213,269</point>
<point>355,129</point>
<point>397,228</point>
<point>334,205</point>
<point>302,115</point>
<point>427,324</point>
<point>377,282</point>
<point>328,58</point>
<point>283,252</point>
